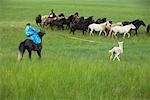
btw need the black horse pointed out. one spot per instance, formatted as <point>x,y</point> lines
<point>88,21</point>
<point>69,20</point>
<point>78,24</point>
<point>61,15</point>
<point>59,23</point>
<point>38,20</point>
<point>137,24</point>
<point>99,21</point>
<point>29,45</point>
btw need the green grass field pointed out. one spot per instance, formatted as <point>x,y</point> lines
<point>74,69</point>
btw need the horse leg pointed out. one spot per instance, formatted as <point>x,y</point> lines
<point>124,35</point>
<point>37,24</point>
<point>110,33</point>
<point>62,27</point>
<point>91,32</point>
<point>47,26</point>
<point>39,53</point>
<point>136,32</point>
<point>40,24</point>
<point>30,53</point>
<point>116,56</point>
<point>51,26</point>
<point>147,29</point>
<point>111,56</point>
<point>44,25</point>
<point>83,32</point>
<point>74,31</point>
<point>115,35</point>
<point>105,33</point>
<point>100,32</point>
<point>128,35</point>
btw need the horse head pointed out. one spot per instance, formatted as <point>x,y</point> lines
<point>138,23</point>
<point>104,19</point>
<point>61,15</point>
<point>108,23</point>
<point>142,23</point>
<point>41,33</point>
<point>39,15</point>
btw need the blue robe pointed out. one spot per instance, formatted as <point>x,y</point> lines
<point>31,33</point>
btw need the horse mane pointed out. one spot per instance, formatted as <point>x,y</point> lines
<point>41,34</point>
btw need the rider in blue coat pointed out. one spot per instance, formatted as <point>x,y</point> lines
<point>32,34</point>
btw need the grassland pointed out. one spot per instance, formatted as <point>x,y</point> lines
<point>73,69</point>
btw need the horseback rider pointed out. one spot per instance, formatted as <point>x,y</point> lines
<point>32,34</point>
<point>52,14</point>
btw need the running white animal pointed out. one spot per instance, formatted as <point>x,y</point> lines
<point>116,52</point>
<point>121,29</point>
<point>98,27</point>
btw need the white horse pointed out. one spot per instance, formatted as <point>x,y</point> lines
<point>121,29</point>
<point>116,51</point>
<point>98,27</point>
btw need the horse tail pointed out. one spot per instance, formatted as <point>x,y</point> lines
<point>21,51</point>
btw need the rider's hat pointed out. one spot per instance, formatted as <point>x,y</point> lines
<point>28,24</point>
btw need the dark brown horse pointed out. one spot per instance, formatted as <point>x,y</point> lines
<point>29,45</point>
<point>147,28</point>
<point>38,20</point>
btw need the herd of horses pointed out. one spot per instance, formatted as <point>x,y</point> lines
<point>74,23</point>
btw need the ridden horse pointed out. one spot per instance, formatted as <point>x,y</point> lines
<point>29,45</point>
